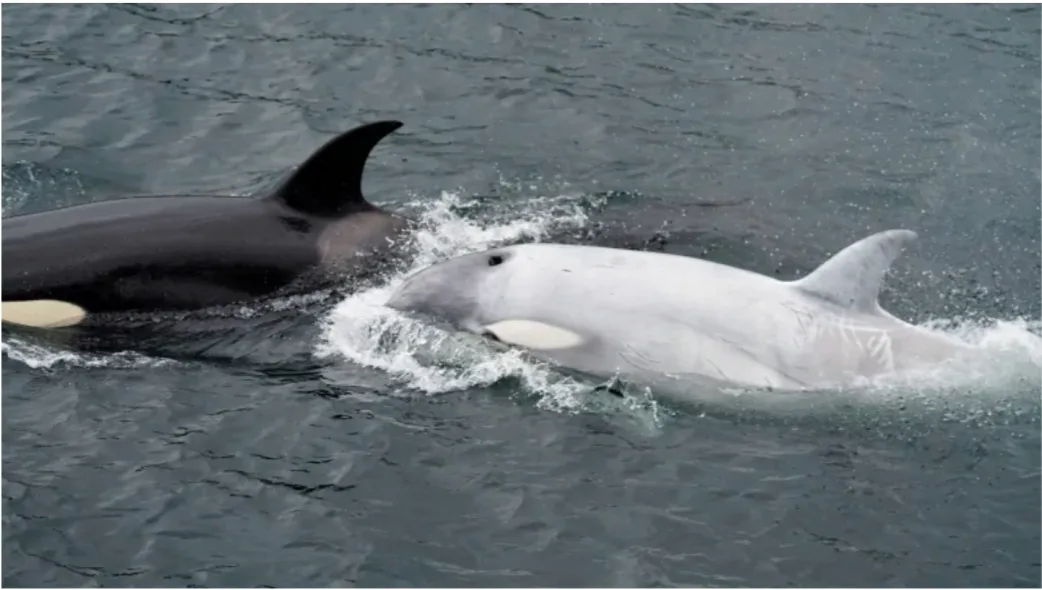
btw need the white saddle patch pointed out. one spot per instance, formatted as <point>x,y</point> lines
<point>43,313</point>
<point>534,335</point>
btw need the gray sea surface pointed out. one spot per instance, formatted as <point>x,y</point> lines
<point>325,441</point>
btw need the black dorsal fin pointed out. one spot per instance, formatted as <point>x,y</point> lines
<point>329,183</point>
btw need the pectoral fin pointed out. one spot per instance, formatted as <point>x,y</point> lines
<point>534,335</point>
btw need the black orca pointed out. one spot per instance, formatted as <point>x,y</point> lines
<point>177,253</point>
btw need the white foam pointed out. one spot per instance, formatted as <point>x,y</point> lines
<point>40,357</point>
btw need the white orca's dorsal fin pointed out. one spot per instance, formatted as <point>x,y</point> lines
<point>329,182</point>
<point>853,277</point>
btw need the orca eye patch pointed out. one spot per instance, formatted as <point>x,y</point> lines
<point>495,260</point>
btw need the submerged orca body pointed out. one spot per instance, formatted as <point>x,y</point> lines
<point>148,254</point>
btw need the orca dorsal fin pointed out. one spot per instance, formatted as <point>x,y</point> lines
<point>853,277</point>
<point>329,182</point>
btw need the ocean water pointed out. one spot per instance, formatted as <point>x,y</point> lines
<point>324,441</point>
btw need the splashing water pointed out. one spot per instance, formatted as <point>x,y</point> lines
<point>36,356</point>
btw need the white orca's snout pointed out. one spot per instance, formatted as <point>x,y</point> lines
<point>456,290</point>
<point>402,297</point>
<point>399,299</point>
<point>431,292</point>
<point>414,290</point>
